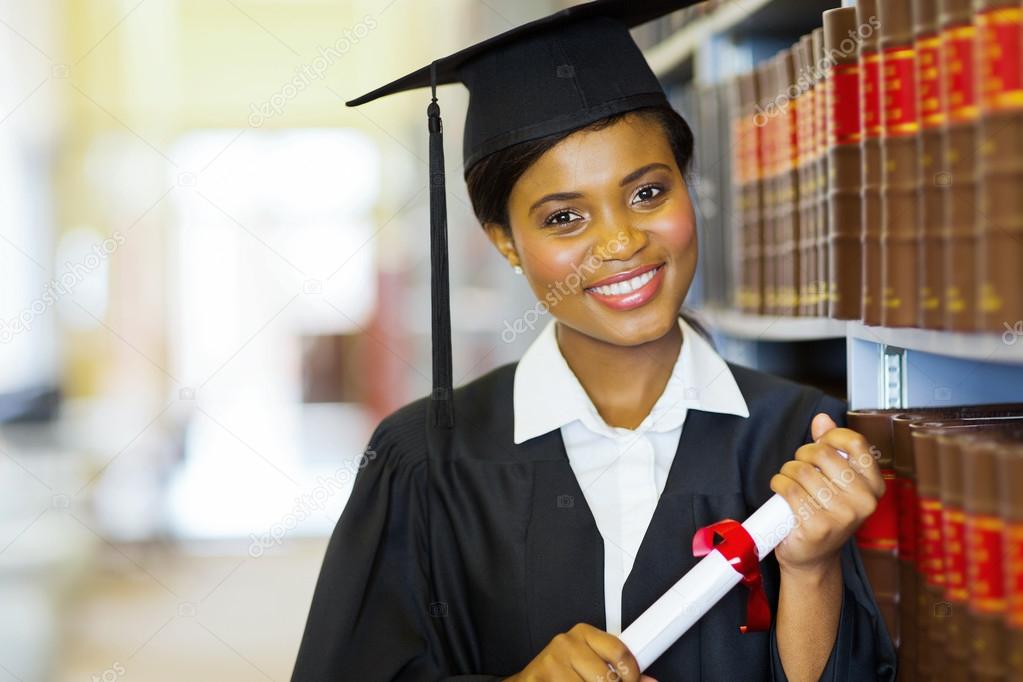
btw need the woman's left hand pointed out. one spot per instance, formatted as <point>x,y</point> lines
<point>829,494</point>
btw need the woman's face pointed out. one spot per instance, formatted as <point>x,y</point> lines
<point>605,233</point>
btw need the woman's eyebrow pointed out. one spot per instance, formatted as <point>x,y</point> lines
<point>640,172</point>
<point>556,196</point>
<point>631,177</point>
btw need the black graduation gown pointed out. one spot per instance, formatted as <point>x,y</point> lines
<point>516,557</point>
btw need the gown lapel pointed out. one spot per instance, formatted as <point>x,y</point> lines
<point>564,549</point>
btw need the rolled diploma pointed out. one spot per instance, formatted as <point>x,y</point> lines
<point>697,591</point>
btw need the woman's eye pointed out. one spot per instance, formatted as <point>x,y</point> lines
<point>559,218</point>
<point>647,193</point>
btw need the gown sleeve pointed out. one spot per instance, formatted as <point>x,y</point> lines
<point>369,617</point>
<point>863,648</point>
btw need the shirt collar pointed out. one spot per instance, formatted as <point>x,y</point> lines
<point>547,395</point>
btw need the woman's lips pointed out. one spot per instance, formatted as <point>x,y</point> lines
<point>630,293</point>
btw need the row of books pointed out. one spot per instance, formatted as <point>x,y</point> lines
<point>877,168</point>
<point>944,550</point>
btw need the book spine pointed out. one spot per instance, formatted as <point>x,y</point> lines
<point>754,128</point>
<point>910,578</point>
<point>744,249</point>
<point>821,176</point>
<point>901,125</point>
<point>950,632</point>
<point>870,111</point>
<point>769,139</point>
<point>959,179</point>
<point>1010,482</point>
<point>931,602</point>
<point>788,217</point>
<point>1000,201</point>
<point>815,101</point>
<point>803,104</point>
<point>844,163</point>
<point>931,199</point>
<point>878,536</point>
<point>985,527</point>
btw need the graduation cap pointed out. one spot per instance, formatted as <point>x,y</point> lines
<point>552,75</point>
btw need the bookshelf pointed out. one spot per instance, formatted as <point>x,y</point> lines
<point>874,366</point>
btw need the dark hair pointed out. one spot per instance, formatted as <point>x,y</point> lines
<point>490,180</point>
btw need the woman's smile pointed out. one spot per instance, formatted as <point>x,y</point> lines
<point>630,289</point>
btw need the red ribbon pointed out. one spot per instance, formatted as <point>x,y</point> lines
<point>737,546</point>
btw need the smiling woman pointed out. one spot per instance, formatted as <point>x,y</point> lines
<point>511,528</point>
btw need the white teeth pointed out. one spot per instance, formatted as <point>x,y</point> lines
<point>628,286</point>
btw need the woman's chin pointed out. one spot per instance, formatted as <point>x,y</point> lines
<point>635,326</point>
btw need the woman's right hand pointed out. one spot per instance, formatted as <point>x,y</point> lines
<point>583,653</point>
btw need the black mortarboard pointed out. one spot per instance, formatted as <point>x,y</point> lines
<point>552,75</point>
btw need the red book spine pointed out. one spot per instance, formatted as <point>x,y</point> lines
<point>899,201</point>
<point>844,132</point>
<point>959,180</point>
<point>932,199</point>
<point>870,107</point>
<point>1000,201</point>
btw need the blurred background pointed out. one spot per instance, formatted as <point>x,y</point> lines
<point>214,281</point>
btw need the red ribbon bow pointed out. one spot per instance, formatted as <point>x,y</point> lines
<point>737,546</point>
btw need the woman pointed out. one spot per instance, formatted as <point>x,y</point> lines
<point>521,543</point>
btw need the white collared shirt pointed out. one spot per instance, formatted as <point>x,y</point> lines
<point>621,472</point>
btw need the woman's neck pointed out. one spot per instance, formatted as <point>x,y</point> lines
<point>623,382</point>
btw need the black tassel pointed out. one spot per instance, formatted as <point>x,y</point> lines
<point>441,399</point>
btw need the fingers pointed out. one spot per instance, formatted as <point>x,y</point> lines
<point>861,455</point>
<point>815,484</point>
<point>800,501</point>
<point>822,423</point>
<point>612,661</point>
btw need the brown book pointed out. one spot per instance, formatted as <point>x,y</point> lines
<point>814,99</point>
<point>951,621</point>
<point>786,237</point>
<point>754,199</point>
<point>943,622</point>
<point>746,249</point>
<point>878,537</point>
<point>930,558</point>
<point>900,165</point>
<point>1010,483</point>
<point>822,176</point>
<point>932,199</point>
<point>1000,165</point>
<point>911,591</point>
<point>870,106</point>
<point>768,119</point>
<point>985,531</point>
<point>803,105</point>
<point>910,578</point>
<point>844,166</point>
<point>958,174</point>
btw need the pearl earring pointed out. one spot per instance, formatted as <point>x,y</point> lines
<point>517,269</point>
